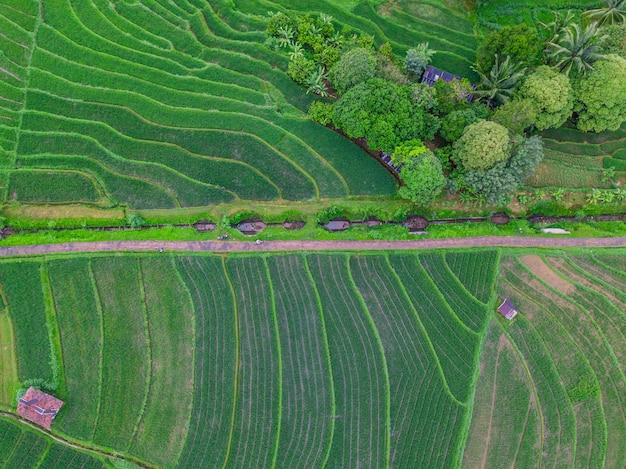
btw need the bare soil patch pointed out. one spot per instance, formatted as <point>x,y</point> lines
<point>63,212</point>
<point>545,273</point>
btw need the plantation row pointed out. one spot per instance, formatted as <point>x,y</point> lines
<point>24,449</point>
<point>551,388</point>
<point>156,106</point>
<point>580,159</point>
<point>326,360</point>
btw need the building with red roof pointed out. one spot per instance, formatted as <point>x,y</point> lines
<point>39,407</point>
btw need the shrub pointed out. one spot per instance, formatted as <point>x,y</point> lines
<point>321,112</point>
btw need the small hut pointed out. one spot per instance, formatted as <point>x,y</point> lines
<point>507,309</point>
<point>38,407</point>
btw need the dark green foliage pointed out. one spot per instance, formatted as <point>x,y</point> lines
<point>453,124</point>
<point>21,283</point>
<point>516,115</point>
<point>27,451</point>
<point>418,58</point>
<point>499,182</point>
<point>522,43</point>
<point>451,96</point>
<point>354,67</point>
<point>423,179</point>
<point>300,69</point>
<point>135,221</point>
<point>551,95</point>
<point>383,113</point>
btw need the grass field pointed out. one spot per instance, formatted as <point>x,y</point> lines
<point>163,105</point>
<point>336,360</point>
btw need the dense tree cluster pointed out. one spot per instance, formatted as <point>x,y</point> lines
<point>531,78</point>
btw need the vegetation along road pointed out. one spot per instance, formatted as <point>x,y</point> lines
<point>238,246</point>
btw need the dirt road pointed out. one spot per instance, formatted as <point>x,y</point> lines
<point>333,245</point>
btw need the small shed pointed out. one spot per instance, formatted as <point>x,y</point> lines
<point>39,407</point>
<point>507,309</point>
<point>432,74</point>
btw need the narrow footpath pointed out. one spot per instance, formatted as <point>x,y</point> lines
<point>303,245</point>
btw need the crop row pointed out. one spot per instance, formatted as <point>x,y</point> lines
<point>455,346</point>
<point>475,270</point>
<point>571,344</point>
<point>92,52</point>
<point>216,362</point>
<point>23,449</point>
<point>50,186</point>
<point>414,381</point>
<point>569,361</point>
<point>257,419</point>
<point>290,360</point>
<point>21,285</point>
<point>467,308</point>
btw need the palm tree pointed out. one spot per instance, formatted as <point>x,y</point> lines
<point>613,13</point>
<point>558,24</point>
<point>316,82</point>
<point>577,48</point>
<point>497,86</point>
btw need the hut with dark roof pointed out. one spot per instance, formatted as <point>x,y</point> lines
<point>39,407</point>
<point>507,309</point>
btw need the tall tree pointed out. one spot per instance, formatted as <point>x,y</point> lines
<point>550,93</point>
<point>601,96</point>
<point>497,86</point>
<point>577,48</point>
<point>613,13</point>
<point>482,145</point>
<point>423,179</point>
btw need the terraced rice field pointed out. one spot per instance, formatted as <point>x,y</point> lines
<point>554,378</point>
<point>327,360</point>
<point>160,105</point>
<point>577,159</point>
<point>335,360</point>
